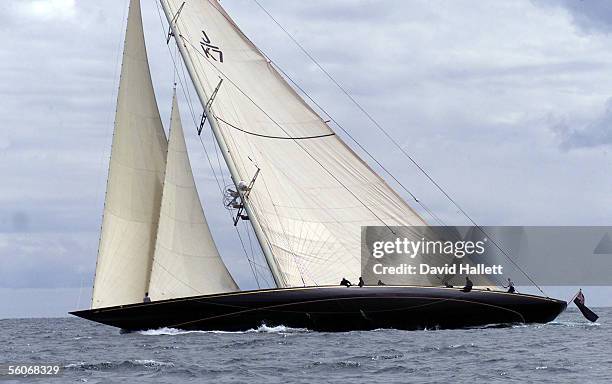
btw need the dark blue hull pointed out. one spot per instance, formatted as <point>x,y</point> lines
<point>333,309</point>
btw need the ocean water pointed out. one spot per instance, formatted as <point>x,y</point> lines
<point>568,350</point>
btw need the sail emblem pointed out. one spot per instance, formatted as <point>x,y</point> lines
<point>208,47</point>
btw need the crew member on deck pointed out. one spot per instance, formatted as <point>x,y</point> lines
<point>468,285</point>
<point>146,298</point>
<point>381,283</point>
<point>510,286</point>
<point>361,282</point>
<point>345,282</point>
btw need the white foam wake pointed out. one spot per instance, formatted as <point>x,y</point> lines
<point>278,329</point>
<point>262,329</point>
<point>173,332</point>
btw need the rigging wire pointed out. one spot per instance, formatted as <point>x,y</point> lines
<point>271,136</point>
<point>251,245</point>
<point>114,97</point>
<point>395,143</point>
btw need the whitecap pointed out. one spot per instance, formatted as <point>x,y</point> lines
<point>574,323</point>
<point>278,329</point>
<point>108,365</point>
<point>152,363</point>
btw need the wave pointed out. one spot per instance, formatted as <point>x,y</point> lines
<point>336,364</point>
<point>553,369</point>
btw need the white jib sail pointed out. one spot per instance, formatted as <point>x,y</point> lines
<point>135,178</point>
<point>313,193</point>
<point>186,260</point>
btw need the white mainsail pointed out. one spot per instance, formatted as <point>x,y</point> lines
<point>134,188</point>
<point>313,193</point>
<point>186,260</point>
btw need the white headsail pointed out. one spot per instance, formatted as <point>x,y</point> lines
<point>134,189</point>
<point>313,193</point>
<point>186,260</point>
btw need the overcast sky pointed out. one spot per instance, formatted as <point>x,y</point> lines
<point>508,104</point>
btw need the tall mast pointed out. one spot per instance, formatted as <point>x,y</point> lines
<point>204,100</point>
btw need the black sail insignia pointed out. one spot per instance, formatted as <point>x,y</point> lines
<point>211,51</point>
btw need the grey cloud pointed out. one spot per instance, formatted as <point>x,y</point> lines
<point>594,134</point>
<point>45,260</point>
<point>588,15</point>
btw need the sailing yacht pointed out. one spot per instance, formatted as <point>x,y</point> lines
<point>305,193</point>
